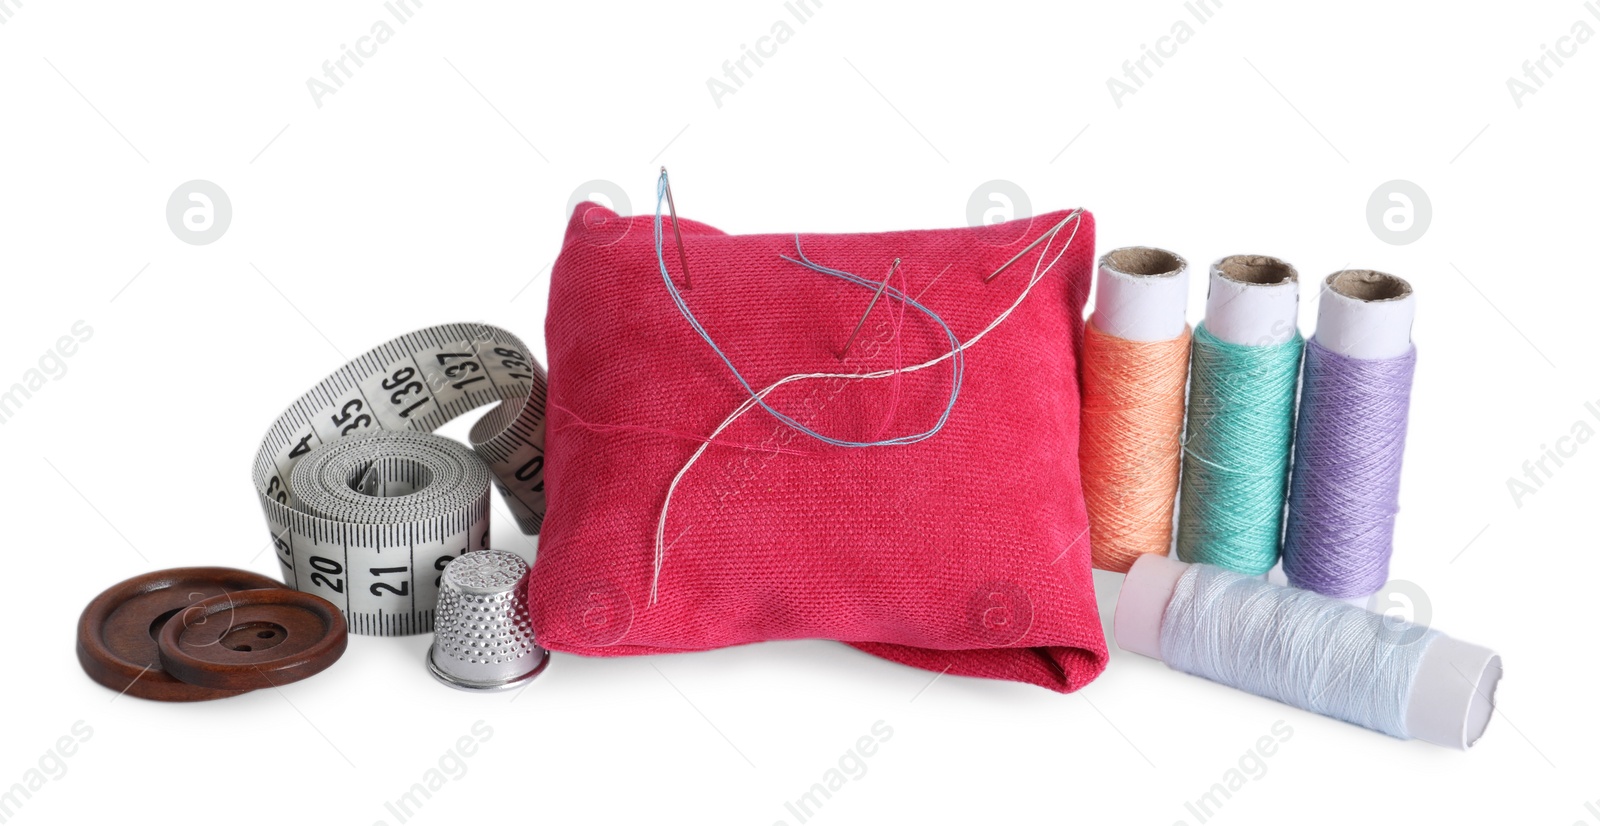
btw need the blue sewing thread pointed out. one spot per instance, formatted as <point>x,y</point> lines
<point>957,358</point>
<point>1293,646</point>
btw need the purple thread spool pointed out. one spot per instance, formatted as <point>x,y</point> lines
<point>1350,436</point>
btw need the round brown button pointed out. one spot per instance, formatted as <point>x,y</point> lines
<point>252,639</point>
<point>117,630</point>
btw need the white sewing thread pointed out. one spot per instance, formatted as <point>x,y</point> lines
<point>1294,646</point>
<point>743,471</point>
<point>1040,269</point>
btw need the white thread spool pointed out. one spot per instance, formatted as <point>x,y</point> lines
<point>1451,699</point>
<point>1141,294</point>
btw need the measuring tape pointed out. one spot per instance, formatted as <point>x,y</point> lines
<point>370,525</point>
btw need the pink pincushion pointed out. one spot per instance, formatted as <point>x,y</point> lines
<point>966,552</point>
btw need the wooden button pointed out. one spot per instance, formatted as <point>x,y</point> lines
<point>117,630</point>
<point>252,639</point>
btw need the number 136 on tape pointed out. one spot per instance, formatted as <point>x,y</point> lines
<point>380,505</point>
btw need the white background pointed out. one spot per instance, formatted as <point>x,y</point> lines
<point>433,187</point>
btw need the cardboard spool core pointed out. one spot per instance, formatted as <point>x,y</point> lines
<point>1147,261</point>
<point>1256,269</point>
<point>1369,285</point>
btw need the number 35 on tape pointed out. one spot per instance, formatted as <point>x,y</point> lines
<point>386,576</point>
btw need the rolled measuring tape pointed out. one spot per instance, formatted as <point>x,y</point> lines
<point>366,507</point>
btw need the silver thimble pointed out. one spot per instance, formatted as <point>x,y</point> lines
<point>482,637</point>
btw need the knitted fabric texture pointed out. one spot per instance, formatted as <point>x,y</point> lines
<point>964,553</point>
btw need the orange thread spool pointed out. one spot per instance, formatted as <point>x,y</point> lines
<point>1133,407</point>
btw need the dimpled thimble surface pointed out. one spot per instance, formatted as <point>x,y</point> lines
<point>482,638</point>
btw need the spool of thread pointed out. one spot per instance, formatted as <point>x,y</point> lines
<point>1244,369</point>
<point>1308,651</point>
<point>1135,366</point>
<point>1345,486</point>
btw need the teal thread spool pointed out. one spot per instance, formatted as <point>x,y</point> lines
<point>1244,372</point>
